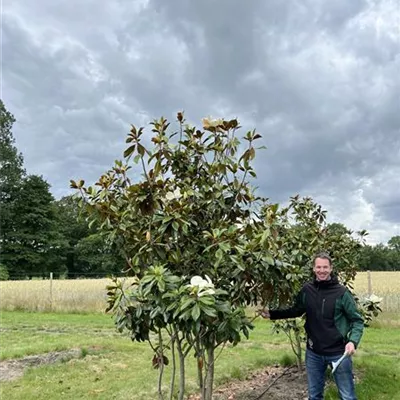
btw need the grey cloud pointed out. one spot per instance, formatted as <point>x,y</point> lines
<point>308,92</point>
<point>53,126</point>
<point>383,190</point>
<point>319,80</point>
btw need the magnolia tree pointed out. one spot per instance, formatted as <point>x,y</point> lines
<point>194,236</point>
<point>302,231</point>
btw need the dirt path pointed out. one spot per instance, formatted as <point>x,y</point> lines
<point>13,369</point>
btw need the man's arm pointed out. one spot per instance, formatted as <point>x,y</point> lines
<point>355,318</point>
<point>297,310</point>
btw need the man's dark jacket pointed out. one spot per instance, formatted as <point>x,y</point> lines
<point>332,318</point>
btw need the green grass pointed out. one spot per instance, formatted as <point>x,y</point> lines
<point>110,366</point>
<point>377,361</point>
<point>35,333</point>
<point>380,379</point>
<point>377,365</point>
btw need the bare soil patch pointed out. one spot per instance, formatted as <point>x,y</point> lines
<point>272,383</point>
<point>13,369</point>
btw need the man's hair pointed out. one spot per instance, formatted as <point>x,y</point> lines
<point>323,255</point>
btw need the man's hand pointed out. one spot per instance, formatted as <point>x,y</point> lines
<point>350,349</point>
<point>264,313</point>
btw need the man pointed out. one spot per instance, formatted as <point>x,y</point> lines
<point>333,326</point>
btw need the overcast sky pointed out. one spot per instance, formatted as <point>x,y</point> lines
<point>320,80</point>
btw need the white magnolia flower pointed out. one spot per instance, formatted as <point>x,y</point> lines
<point>176,194</point>
<point>200,282</point>
<point>374,299</point>
<point>201,286</point>
<point>205,292</point>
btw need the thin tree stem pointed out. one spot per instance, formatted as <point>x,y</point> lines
<point>209,378</point>
<point>181,365</point>
<point>172,385</point>
<point>161,366</point>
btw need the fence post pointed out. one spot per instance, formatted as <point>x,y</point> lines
<point>369,283</point>
<point>51,291</point>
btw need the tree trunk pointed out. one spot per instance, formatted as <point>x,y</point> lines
<point>209,381</point>
<point>181,366</point>
<point>200,374</point>
<point>299,352</point>
<point>200,364</point>
<point>172,385</point>
<point>161,365</point>
<point>181,375</point>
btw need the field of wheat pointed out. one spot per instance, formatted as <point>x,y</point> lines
<point>77,295</point>
<point>384,284</point>
<point>89,295</point>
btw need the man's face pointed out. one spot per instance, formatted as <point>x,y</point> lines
<point>322,269</point>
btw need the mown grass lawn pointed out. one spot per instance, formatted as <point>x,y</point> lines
<point>377,363</point>
<point>113,367</point>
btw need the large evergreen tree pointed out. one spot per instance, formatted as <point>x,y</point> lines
<point>37,247</point>
<point>11,175</point>
<point>11,161</point>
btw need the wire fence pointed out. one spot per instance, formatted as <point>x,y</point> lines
<point>72,275</point>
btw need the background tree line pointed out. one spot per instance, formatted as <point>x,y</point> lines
<point>39,234</point>
<point>379,257</point>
